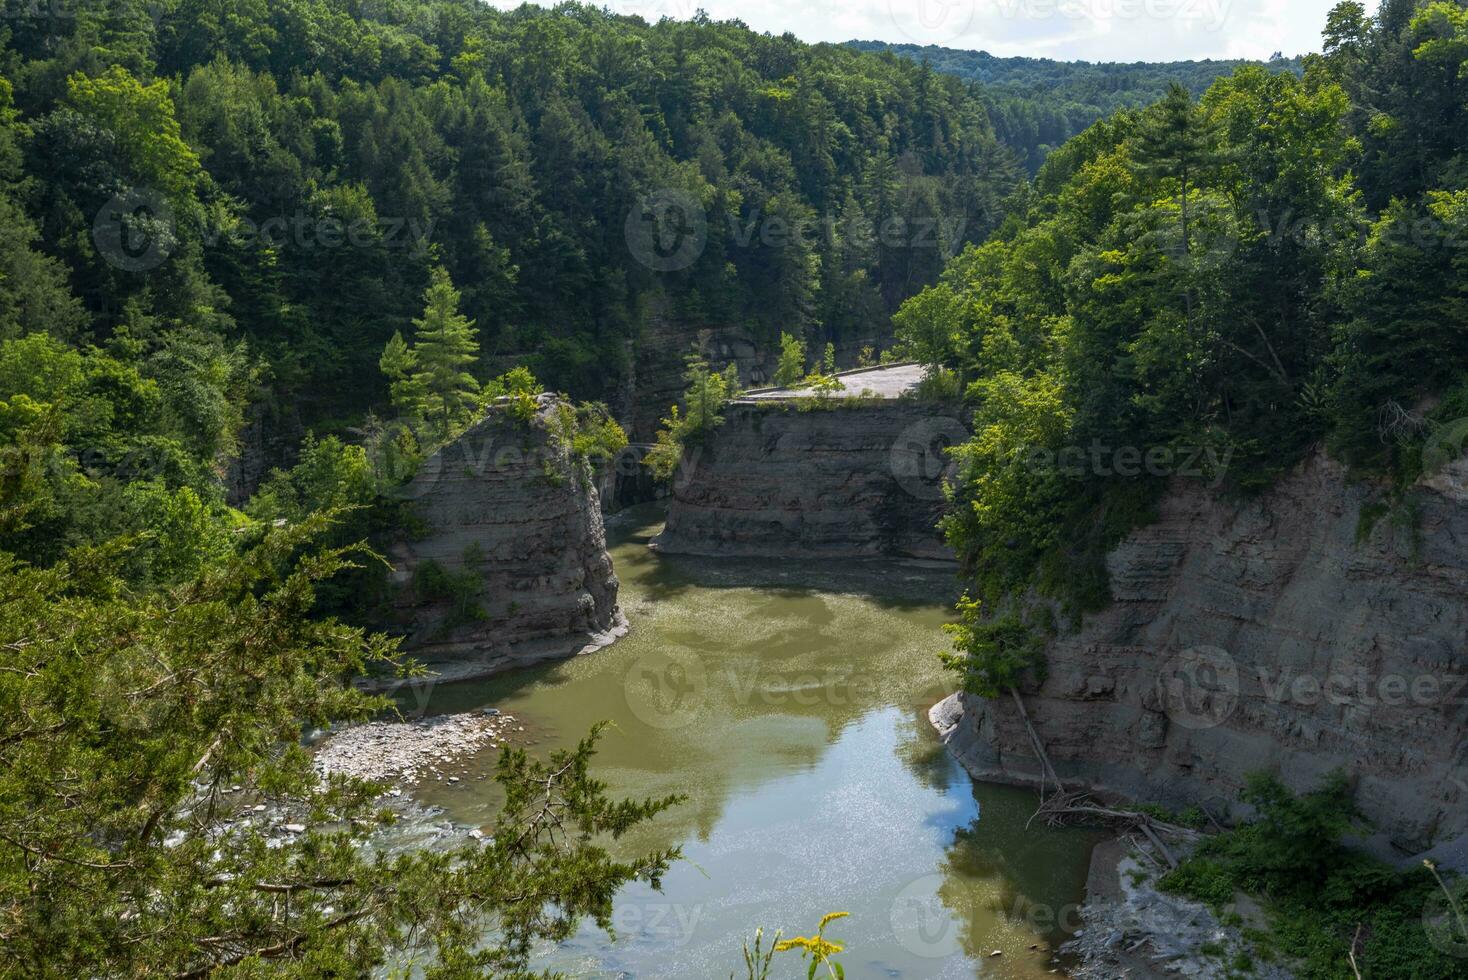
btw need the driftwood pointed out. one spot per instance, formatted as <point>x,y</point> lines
<point>1152,836</point>
<point>1064,805</point>
<point>1046,769</point>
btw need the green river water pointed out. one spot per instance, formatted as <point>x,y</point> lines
<point>789,703</point>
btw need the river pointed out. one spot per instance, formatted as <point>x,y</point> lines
<point>789,702</point>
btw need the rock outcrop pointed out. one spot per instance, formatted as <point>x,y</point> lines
<point>1284,634</point>
<point>857,478</point>
<point>512,567</point>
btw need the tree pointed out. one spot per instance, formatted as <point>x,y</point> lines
<point>706,395</point>
<point>141,119</point>
<point>137,730</point>
<point>430,380</point>
<point>928,324</point>
<point>791,367</point>
<point>1177,141</point>
<point>704,399</point>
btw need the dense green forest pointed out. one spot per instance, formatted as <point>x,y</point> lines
<point>316,157</point>
<point>221,209</point>
<point>375,216</point>
<point>1036,104</point>
<point>364,212</point>
<point>1210,288</point>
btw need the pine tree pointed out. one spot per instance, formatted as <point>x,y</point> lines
<point>431,382</point>
<point>1177,140</point>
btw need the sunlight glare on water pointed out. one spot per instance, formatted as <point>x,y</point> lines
<point>790,704</point>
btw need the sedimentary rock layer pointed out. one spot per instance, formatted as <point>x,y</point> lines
<point>507,509</point>
<point>1264,635</point>
<point>856,479</point>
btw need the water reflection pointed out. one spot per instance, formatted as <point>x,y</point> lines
<point>789,703</point>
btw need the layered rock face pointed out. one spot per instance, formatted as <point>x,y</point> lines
<point>514,522</point>
<point>859,479</point>
<point>1263,636</point>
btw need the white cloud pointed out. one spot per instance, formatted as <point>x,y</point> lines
<point>1090,30</point>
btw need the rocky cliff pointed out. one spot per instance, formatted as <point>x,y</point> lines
<point>512,566</point>
<point>859,478</point>
<point>1285,634</point>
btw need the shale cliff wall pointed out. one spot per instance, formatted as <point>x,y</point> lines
<point>1263,636</point>
<point>509,512</point>
<point>859,479</point>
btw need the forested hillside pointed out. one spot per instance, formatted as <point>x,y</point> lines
<point>1212,288</point>
<point>317,157</point>
<point>1036,104</point>
<point>222,211</point>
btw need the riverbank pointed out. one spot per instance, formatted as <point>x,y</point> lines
<point>1131,928</point>
<point>408,753</point>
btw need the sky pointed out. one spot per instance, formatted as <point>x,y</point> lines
<point>1068,30</point>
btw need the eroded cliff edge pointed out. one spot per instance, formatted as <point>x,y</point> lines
<point>1347,654</point>
<point>850,481</point>
<point>789,476</point>
<point>511,516</point>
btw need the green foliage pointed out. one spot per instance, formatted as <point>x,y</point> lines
<point>519,388</point>
<point>1323,898</point>
<point>1037,104</point>
<point>165,699</point>
<point>460,588</point>
<point>704,400</point>
<point>431,385</point>
<point>590,432</point>
<point>791,368</point>
<point>1012,494</point>
<point>141,120</point>
<point>329,475</point>
<point>994,652</point>
<point>321,158</point>
<point>1208,289</point>
<point>818,949</point>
